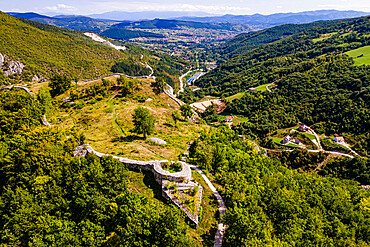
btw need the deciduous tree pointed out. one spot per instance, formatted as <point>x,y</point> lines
<point>59,84</point>
<point>143,121</point>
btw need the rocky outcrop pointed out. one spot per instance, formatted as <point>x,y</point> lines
<point>2,60</point>
<point>37,78</point>
<point>13,68</point>
<point>10,67</point>
<point>157,140</point>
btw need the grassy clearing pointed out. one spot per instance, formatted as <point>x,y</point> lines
<point>310,136</point>
<point>323,37</point>
<point>279,140</point>
<point>175,167</point>
<point>235,96</point>
<point>361,56</point>
<point>262,88</point>
<point>107,124</point>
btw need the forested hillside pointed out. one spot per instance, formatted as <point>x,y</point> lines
<point>125,34</point>
<point>49,198</point>
<point>316,82</point>
<point>271,205</point>
<point>259,21</point>
<point>78,23</point>
<point>44,49</point>
<point>248,41</point>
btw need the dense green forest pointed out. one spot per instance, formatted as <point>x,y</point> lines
<point>131,68</point>
<point>356,169</point>
<point>242,43</point>
<point>272,205</point>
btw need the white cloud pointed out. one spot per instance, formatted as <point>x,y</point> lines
<point>184,7</point>
<point>61,8</point>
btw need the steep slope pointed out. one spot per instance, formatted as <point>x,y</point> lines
<point>247,41</point>
<point>45,49</point>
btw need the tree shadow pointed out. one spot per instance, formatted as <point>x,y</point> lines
<point>169,125</point>
<point>129,138</point>
<point>209,237</point>
<point>149,181</point>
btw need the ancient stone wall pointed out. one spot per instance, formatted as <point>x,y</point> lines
<point>182,178</point>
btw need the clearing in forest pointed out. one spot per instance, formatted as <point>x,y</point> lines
<point>361,55</point>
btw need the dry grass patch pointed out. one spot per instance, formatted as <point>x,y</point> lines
<point>107,124</point>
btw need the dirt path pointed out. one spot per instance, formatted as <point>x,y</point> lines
<point>318,168</point>
<point>318,144</point>
<point>221,207</point>
<point>267,86</point>
<point>350,149</point>
<point>313,151</point>
<point>149,67</point>
<point>115,91</point>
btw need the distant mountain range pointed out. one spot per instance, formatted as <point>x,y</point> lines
<point>259,21</point>
<point>119,30</point>
<point>176,24</point>
<point>78,23</point>
<point>102,23</point>
<point>146,15</point>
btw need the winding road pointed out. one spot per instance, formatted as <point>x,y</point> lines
<point>318,144</point>
<point>181,82</point>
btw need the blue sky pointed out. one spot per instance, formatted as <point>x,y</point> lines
<point>210,6</point>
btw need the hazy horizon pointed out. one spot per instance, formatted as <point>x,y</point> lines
<point>208,7</point>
